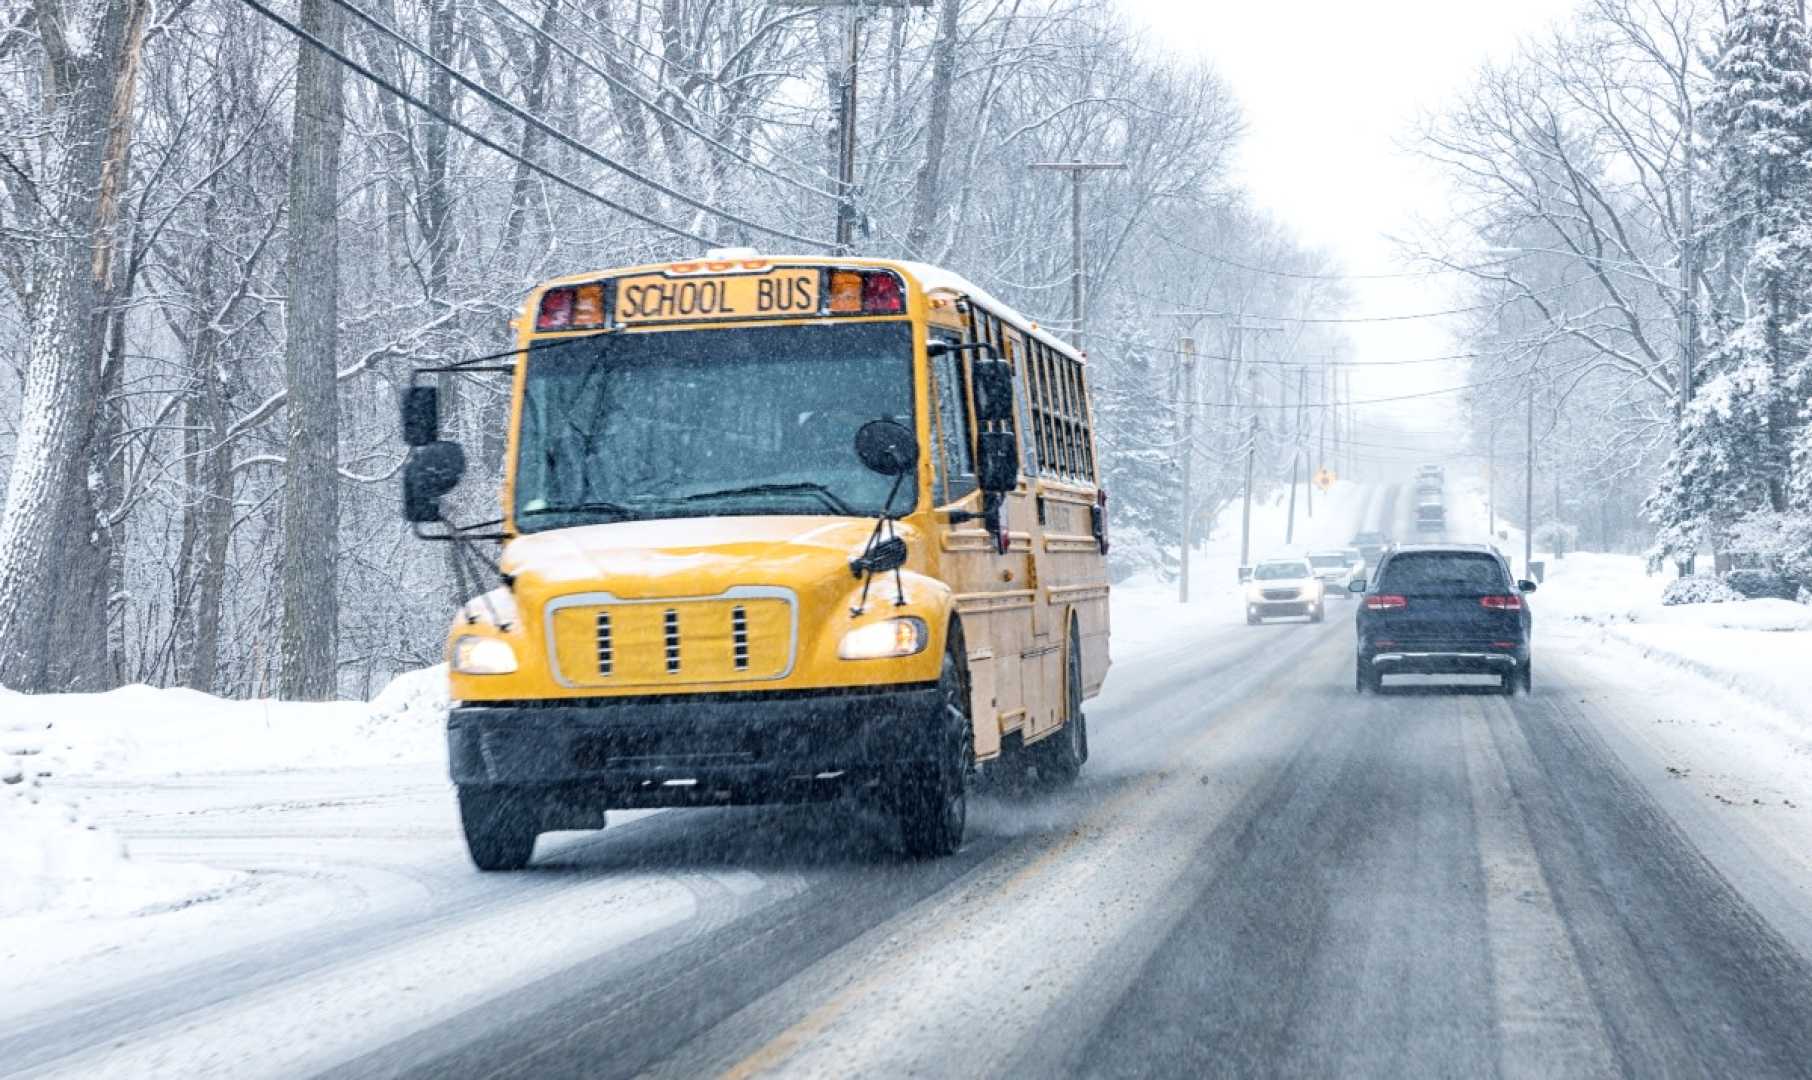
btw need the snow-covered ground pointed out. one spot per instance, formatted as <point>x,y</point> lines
<point>59,864</point>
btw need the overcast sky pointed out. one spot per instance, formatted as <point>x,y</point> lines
<point>1331,90</point>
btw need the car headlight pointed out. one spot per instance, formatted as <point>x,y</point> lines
<point>473,655</point>
<point>885,639</point>
<point>1254,594</point>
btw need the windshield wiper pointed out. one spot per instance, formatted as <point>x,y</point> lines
<point>828,496</point>
<point>597,507</point>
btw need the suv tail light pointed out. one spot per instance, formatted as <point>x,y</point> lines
<point>1386,602</point>
<point>1502,603</point>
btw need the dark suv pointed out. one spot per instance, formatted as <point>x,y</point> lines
<point>1444,609</point>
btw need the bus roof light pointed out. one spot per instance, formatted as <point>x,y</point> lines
<point>588,305</point>
<point>881,294</point>
<point>845,292</point>
<point>556,310</point>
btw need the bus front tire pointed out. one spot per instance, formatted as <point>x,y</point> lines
<point>1060,756</point>
<point>500,825</point>
<point>932,800</point>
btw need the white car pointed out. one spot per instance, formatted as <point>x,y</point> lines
<point>1335,568</point>
<point>1283,587</point>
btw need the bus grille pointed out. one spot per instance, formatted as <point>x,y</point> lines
<point>663,643</point>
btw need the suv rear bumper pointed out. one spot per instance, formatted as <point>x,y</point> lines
<point>1461,661</point>
<point>702,750</point>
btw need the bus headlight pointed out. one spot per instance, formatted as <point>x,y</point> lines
<point>474,655</point>
<point>885,639</point>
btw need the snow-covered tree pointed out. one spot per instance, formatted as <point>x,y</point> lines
<point>1717,472</point>
<point>1758,114</point>
<point>1139,441</point>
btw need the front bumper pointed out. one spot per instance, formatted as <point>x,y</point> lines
<point>696,750</point>
<point>1277,609</point>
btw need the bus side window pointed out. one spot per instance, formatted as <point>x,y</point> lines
<point>956,467</point>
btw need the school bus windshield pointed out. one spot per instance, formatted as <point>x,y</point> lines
<point>709,422</point>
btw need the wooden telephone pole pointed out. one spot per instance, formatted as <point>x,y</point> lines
<point>1078,317</point>
<point>846,106</point>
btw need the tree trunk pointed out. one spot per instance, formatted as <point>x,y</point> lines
<point>925,186</point>
<point>311,508</point>
<point>92,75</point>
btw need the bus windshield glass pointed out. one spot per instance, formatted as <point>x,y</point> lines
<point>702,423</point>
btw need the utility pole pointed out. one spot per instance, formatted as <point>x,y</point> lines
<point>1186,398</point>
<point>846,106</point>
<point>1529,485</point>
<point>1689,321</point>
<point>1237,334</point>
<point>1491,484</point>
<point>1302,388</point>
<point>846,117</point>
<point>1245,518</point>
<point>1078,317</point>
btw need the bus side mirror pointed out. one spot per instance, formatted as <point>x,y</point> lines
<point>993,382</point>
<point>887,447</point>
<point>997,466</point>
<point>421,415</point>
<point>431,471</point>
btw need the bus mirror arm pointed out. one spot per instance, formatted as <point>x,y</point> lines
<point>993,509</point>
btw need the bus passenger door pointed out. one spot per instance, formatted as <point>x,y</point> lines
<point>992,594</point>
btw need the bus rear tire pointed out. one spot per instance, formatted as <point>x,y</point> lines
<point>500,826</point>
<point>1060,756</point>
<point>931,802</point>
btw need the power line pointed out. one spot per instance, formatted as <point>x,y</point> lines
<point>660,87</point>
<point>1294,405</point>
<point>398,92</point>
<point>1172,351</point>
<point>1309,276</point>
<point>555,133</point>
<point>653,106</point>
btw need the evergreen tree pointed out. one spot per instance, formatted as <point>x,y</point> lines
<point>1137,435</point>
<point>1717,472</point>
<point>1759,117</point>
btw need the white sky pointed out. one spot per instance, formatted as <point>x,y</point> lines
<point>1331,91</point>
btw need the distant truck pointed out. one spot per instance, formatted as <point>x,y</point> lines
<point>1431,517</point>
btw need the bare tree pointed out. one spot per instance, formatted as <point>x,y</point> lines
<point>311,508</point>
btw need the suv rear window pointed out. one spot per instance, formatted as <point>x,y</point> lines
<point>1444,573</point>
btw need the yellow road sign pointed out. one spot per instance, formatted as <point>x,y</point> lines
<point>1324,478</point>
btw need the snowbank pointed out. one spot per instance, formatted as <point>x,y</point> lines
<point>1759,648</point>
<point>53,862</point>
<point>147,731</point>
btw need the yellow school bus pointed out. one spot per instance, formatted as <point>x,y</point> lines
<point>774,529</point>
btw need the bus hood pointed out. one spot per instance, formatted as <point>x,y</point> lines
<point>637,560</point>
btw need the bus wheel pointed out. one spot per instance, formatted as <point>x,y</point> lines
<point>932,800</point>
<point>500,826</point>
<point>1060,756</point>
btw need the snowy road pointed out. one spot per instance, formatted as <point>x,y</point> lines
<point>1262,873</point>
